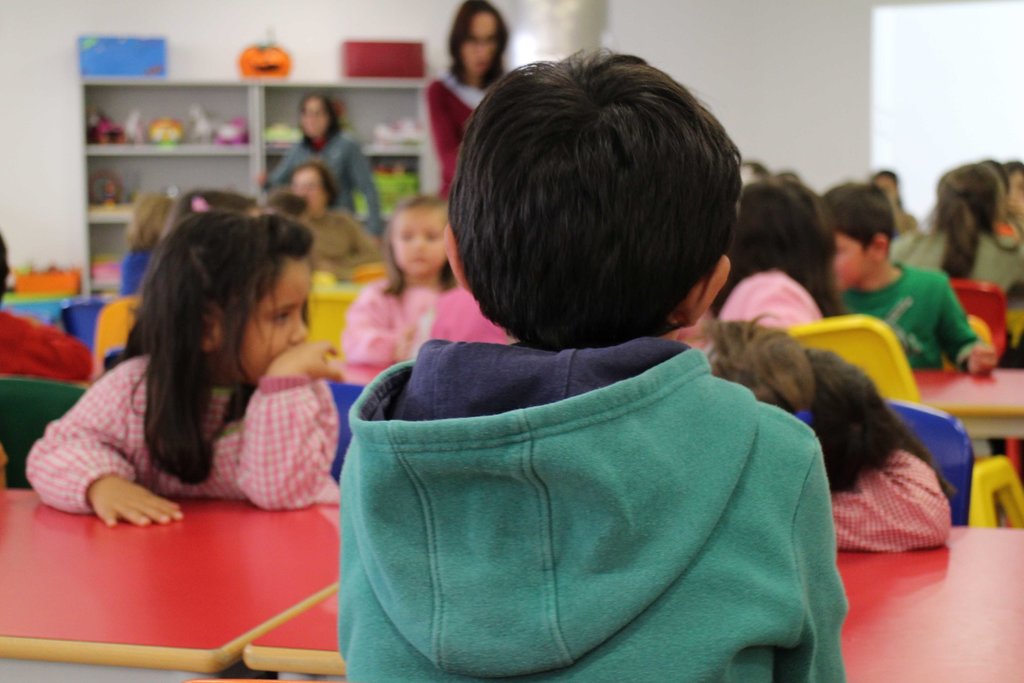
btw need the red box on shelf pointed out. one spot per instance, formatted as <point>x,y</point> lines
<point>376,59</point>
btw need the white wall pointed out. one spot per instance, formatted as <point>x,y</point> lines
<point>790,79</point>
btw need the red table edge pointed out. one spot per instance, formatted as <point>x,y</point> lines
<point>294,660</point>
<point>152,656</point>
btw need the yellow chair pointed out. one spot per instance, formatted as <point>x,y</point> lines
<point>113,324</point>
<point>868,343</point>
<point>994,487</point>
<point>327,310</point>
<point>368,272</point>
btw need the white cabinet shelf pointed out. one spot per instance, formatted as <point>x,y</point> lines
<point>157,168</point>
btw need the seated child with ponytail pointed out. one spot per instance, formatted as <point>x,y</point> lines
<point>886,493</point>
<point>220,395</point>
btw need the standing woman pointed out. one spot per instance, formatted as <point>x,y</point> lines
<point>322,139</point>
<point>477,46</point>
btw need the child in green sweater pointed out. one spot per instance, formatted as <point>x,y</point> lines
<point>918,304</point>
<point>589,504</point>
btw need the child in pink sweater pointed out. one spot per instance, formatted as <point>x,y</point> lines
<point>886,493</point>
<point>390,319</point>
<point>221,395</point>
<point>781,258</point>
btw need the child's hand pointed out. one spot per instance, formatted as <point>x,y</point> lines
<point>113,498</point>
<point>982,359</point>
<point>311,359</point>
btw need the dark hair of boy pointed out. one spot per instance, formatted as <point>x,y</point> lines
<point>460,33</point>
<point>886,173</point>
<point>396,278</point>
<point>970,202</point>
<point>782,226</point>
<point>860,211</point>
<point>211,200</point>
<point>857,429</point>
<point>584,219</point>
<point>327,180</point>
<point>4,268</point>
<point>286,203</point>
<point>215,266</point>
<point>333,125</point>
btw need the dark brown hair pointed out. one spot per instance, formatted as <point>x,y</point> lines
<point>327,179</point>
<point>460,34</point>
<point>396,278</point>
<point>970,202</point>
<point>286,202</point>
<point>199,201</point>
<point>860,211</point>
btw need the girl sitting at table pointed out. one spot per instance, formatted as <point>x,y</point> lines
<point>887,495</point>
<point>221,396</point>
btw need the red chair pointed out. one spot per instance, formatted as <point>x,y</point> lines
<point>988,302</point>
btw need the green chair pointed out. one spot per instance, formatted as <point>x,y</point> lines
<point>27,405</point>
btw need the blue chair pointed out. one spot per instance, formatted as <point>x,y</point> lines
<point>946,439</point>
<point>79,317</point>
<point>344,396</point>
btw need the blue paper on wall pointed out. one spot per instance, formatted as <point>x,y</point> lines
<point>120,56</point>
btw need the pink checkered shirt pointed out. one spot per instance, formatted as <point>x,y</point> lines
<point>899,507</point>
<point>278,456</point>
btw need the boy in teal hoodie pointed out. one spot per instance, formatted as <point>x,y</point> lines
<point>589,504</point>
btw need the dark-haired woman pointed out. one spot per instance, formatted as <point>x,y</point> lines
<point>322,139</point>
<point>476,44</point>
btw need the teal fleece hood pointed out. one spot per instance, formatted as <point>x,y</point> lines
<point>520,543</point>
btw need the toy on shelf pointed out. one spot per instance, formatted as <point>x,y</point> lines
<point>282,135</point>
<point>105,187</point>
<point>234,132</point>
<point>134,132</point>
<point>50,281</point>
<point>265,60</point>
<point>200,127</point>
<point>165,132</point>
<point>101,130</point>
<point>402,132</point>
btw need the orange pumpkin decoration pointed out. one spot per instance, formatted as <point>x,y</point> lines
<point>264,60</point>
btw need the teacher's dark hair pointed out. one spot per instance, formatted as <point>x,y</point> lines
<point>460,34</point>
<point>591,196</point>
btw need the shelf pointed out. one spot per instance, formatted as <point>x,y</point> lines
<point>368,150</point>
<point>160,151</point>
<point>341,83</point>
<point>117,214</point>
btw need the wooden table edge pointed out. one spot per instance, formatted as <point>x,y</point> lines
<point>151,656</point>
<point>962,410</point>
<point>293,660</point>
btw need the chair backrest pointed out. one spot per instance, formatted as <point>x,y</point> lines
<point>344,396</point>
<point>113,324</point>
<point>946,439</point>
<point>996,487</point>
<point>327,311</point>
<point>986,301</point>
<point>27,405</point>
<point>79,317</point>
<point>869,344</point>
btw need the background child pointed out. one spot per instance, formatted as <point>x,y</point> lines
<point>888,182</point>
<point>919,305</point>
<point>519,486</point>
<point>339,242</point>
<point>149,215</point>
<point>781,259</point>
<point>458,318</point>
<point>218,397</point>
<point>971,201</point>
<point>886,493</point>
<point>203,200</point>
<point>28,347</point>
<point>391,318</point>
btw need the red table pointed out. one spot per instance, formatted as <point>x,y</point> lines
<point>307,644</point>
<point>988,406</point>
<point>187,596</point>
<point>954,614</point>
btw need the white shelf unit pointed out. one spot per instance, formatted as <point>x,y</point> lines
<point>155,168</point>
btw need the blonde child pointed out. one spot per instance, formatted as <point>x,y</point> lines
<point>149,215</point>
<point>886,493</point>
<point>391,318</point>
<point>220,395</point>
